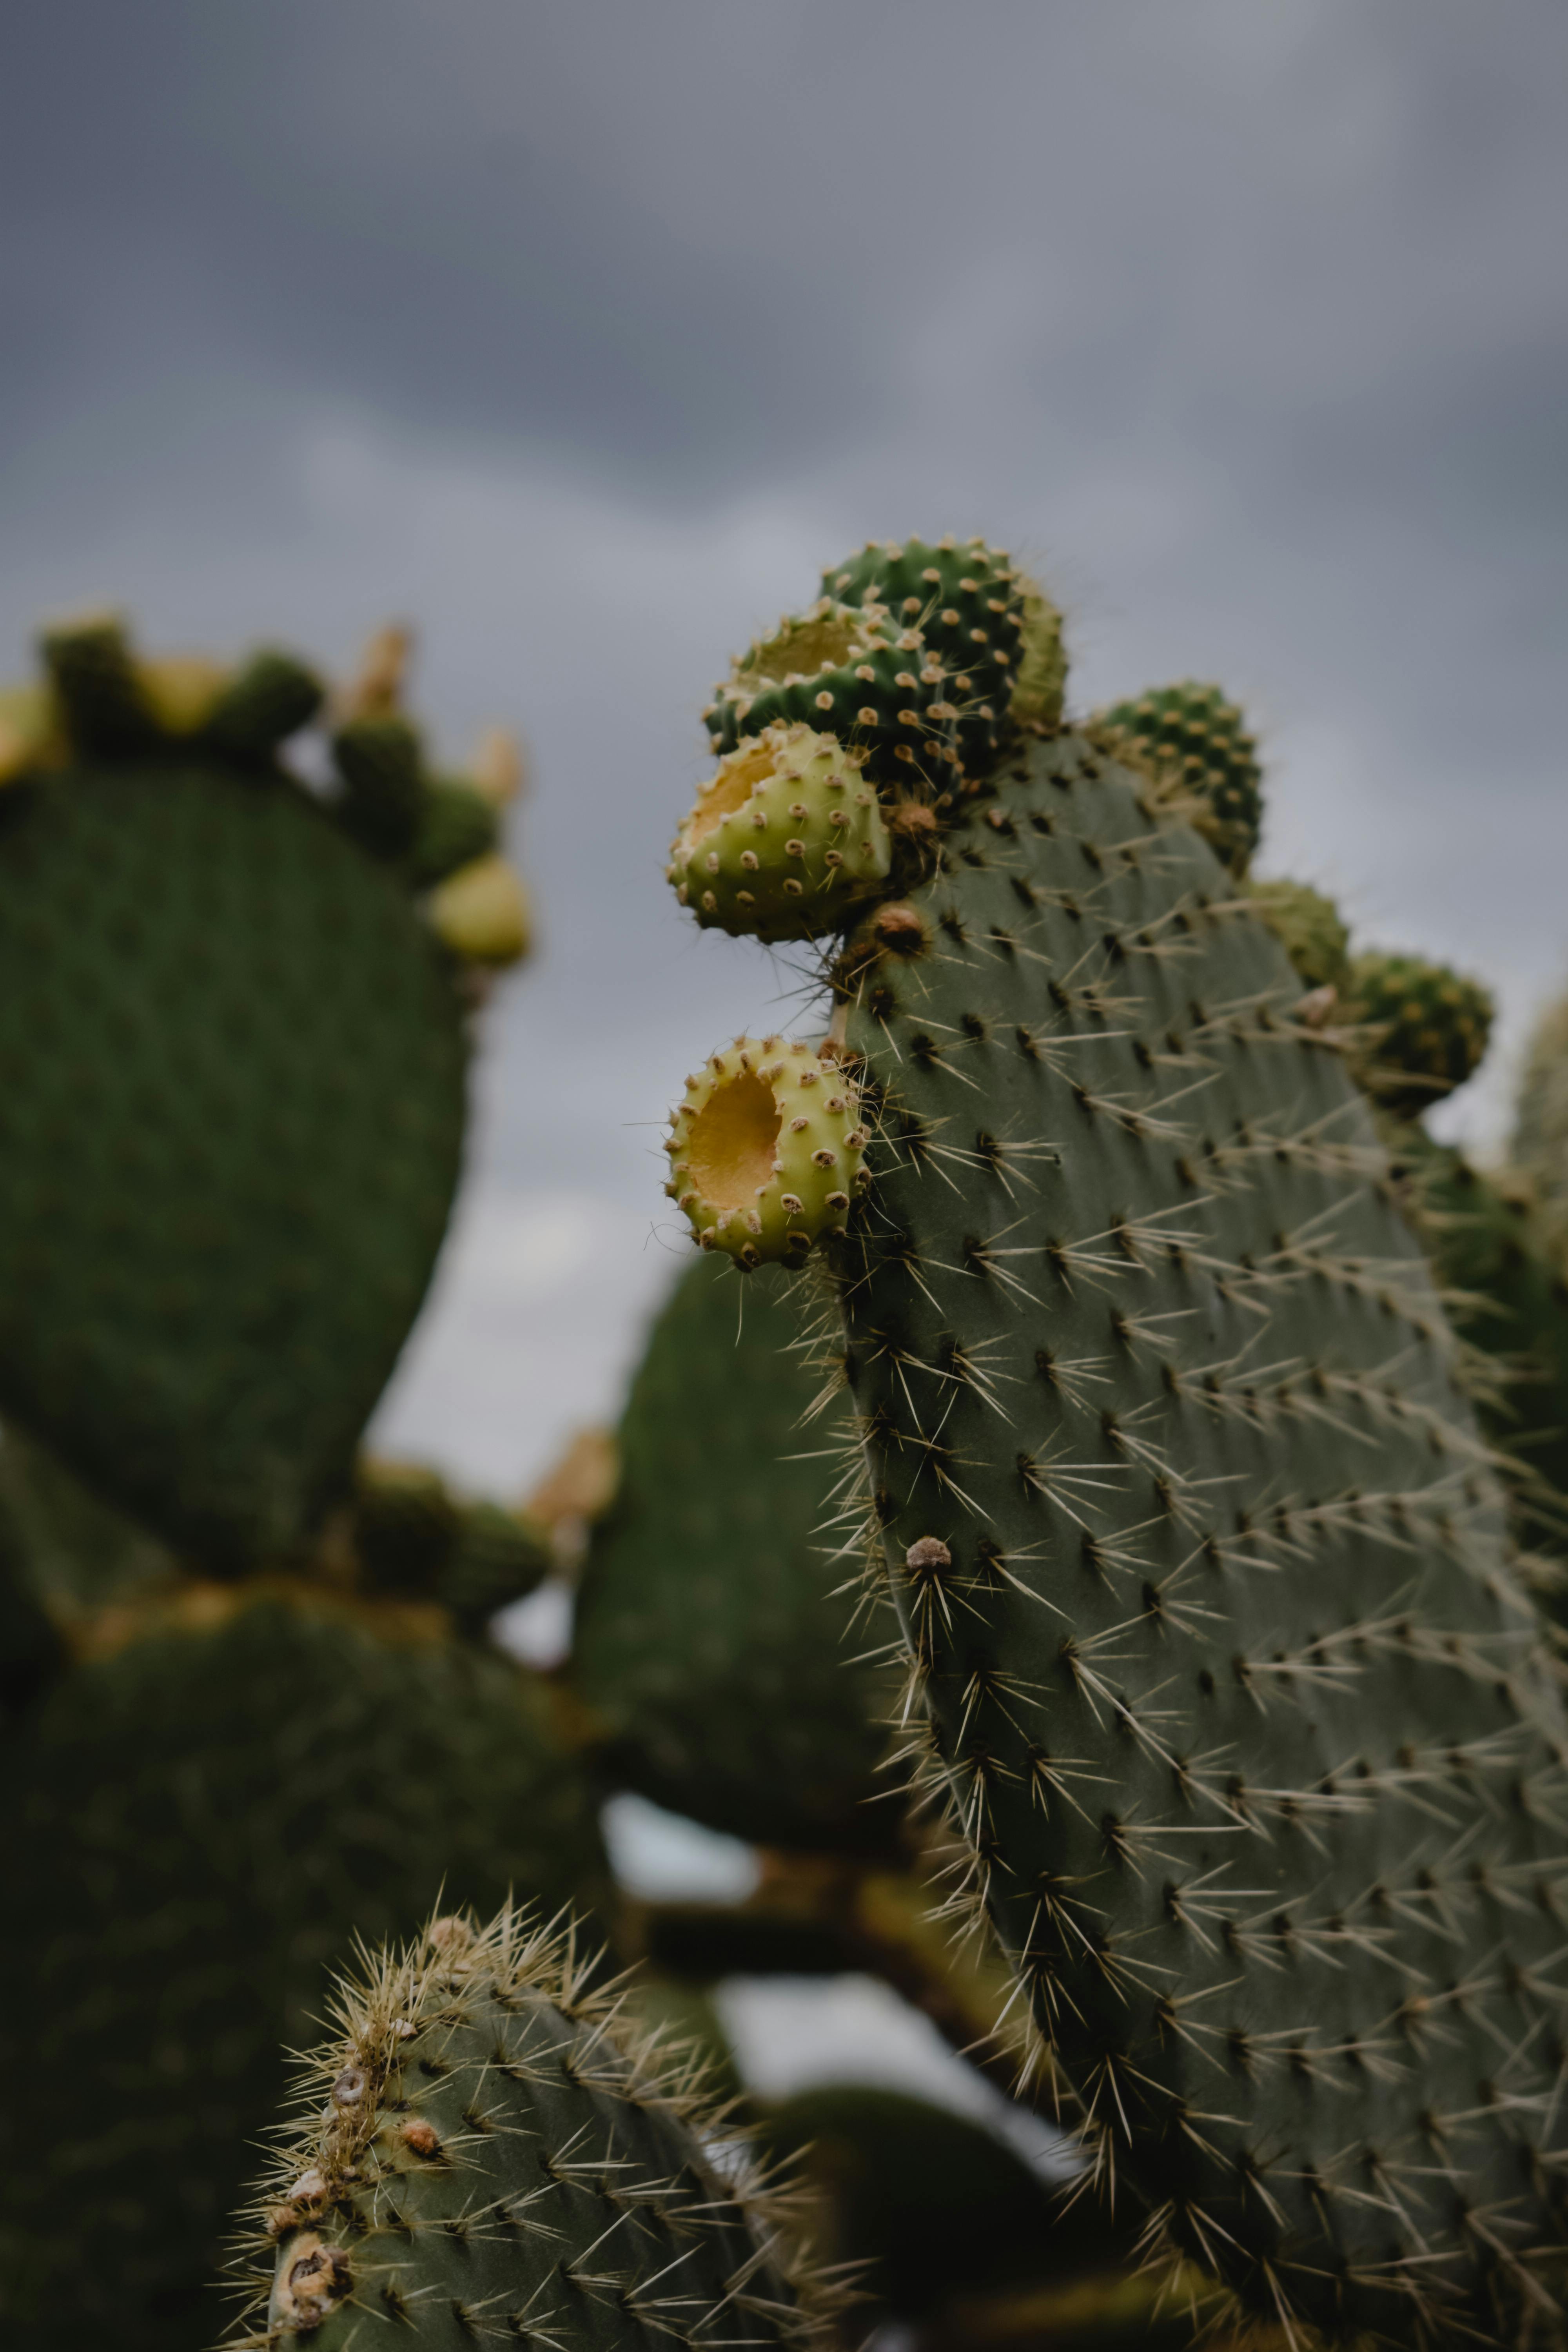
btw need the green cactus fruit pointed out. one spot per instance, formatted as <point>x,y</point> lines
<point>102,698</point>
<point>1194,739</point>
<point>765,1150</point>
<point>1428,1027</point>
<point>412,1536</point>
<point>852,673</point>
<point>197,1822</point>
<point>487,2149</point>
<point>1540,1148</point>
<point>784,840</point>
<point>232,1079</point>
<point>967,601</point>
<point>930,2207</point>
<point>1201,1572</point>
<point>456,825</point>
<point>713,1620</point>
<point>1310,929</point>
<point>268,699</point>
<point>381,772</point>
<point>1041,684</point>
<point>1507,1297</point>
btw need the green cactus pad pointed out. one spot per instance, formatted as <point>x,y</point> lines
<point>197,1826</point>
<point>967,603</point>
<point>232,1077</point>
<point>1429,1028</point>
<point>1310,929</point>
<point>765,1150</point>
<point>851,674</point>
<point>413,1537</point>
<point>1541,1122</point>
<point>500,2155</point>
<point>1198,739</point>
<point>784,840</point>
<point>1202,1575</point>
<point>713,1627</point>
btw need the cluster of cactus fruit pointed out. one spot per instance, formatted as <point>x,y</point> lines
<point>1126,1400</point>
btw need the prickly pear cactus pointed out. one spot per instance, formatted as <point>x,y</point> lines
<point>1540,1148</point>
<point>411,1538</point>
<point>486,2148</point>
<point>1428,1028</point>
<point>716,1645</point>
<point>1310,929</point>
<point>232,1074</point>
<point>199,1817</point>
<point>1202,1571</point>
<point>1196,738</point>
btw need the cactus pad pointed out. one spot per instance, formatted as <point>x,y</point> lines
<point>967,603</point>
<point>714,1636</point>
<point>232,1077</point>
<point>784,841</point>
<point>499,2155</point>
<point>197,1822</point>
<point>1198,739</point>
<point>765,1150</point>
<point>1429,1027</point>
<point>1540,1125</point>
<point>1201,1572</point>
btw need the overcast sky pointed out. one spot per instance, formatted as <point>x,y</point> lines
<point>583,334</point>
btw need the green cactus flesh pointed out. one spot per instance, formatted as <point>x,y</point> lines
<point>1201,1572</point>
<point>1429,1028</point>
<point>197,1824</point>
<point>1539,1148</point>
<point>232,1079</point>
<point>967,603</point>
<point>1198,739</point>
<point>713,1624</point>
<point>413,1537</point>
<point>1310,929</point>
<point>488,2152</point>
<point>851,674</point>
<point>784,842</point>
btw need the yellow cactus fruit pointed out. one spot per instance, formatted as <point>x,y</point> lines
<point>181,690</point>
<point>765,1152</point>
<point>481,912</point>
<point>29,732</point>
<point>784,840</point>
<point>1041,679</point>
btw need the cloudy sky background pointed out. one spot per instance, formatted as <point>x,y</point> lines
<point>584,334</point>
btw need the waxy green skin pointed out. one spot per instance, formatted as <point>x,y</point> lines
<point>1202,1572</point>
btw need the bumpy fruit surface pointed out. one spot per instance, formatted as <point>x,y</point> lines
<point>1310,929</point>
<point>481,912</point>
<point>1041,683</point>
<point>967,603</point>
<point>855,675</point>
<point>199,1822</point>
<point>784,840</point>
<point>487,2149</point>
<point>715,1645</point>
<point>767,1151</point>
<point>1201,1571</point>
<point>1429,1028</point>
<point>1198,739</point>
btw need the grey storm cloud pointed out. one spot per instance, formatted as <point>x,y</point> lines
<point>583,333</point>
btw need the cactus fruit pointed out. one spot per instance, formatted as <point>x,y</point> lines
<point>784,841</point>
<point>765,1151</point>
<point>1201,1570</point>
<point>487,2149</point>
<point>1041,683</point>
<point>232,1078</point>
<point>198,1817</point>
<point>1540,1144</point>
<point>852,673</point>
<point>1197,740</point>
<point>1310,929</point>
<point>713,1631</point>
<point>1428,1027</point>
<point>967,603</point>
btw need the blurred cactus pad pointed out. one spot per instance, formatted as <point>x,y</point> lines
<point>232,1083</point>
<point>1209,1613</point>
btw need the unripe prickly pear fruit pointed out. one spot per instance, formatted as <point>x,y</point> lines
<point>29,732</point>
<point>182,690</point>
<point>1041,683</point>
<point>784,841</point>
<point>481,912</point>
<point>967,601</point>
<point>765,1151</point>
<point>1429,1028</point>
<point>1196,738</point>
<point>856,675</point>
<point>1310,929</point>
